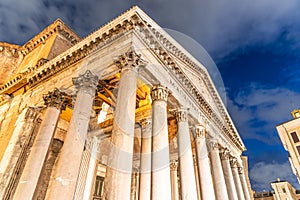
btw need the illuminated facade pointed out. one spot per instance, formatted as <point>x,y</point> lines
<point>289,133</point>
<point>125,113</point>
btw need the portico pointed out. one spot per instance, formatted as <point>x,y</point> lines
<point>131,108</point>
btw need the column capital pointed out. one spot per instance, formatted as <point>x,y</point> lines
<point>56,99</point>
<point>173,165</point>
<point>233,162</point>
<point>86,82</point>
<point>145,123</point>
<point>212,145</point>
<point>200,131</point>
<point>225,154</point>
<point>159,92</point>
<point>32,113</point>
<point>181,115</point>
<point>129,60</point>
<point>240,169</point>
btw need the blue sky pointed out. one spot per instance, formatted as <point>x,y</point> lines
<point>255,45</point>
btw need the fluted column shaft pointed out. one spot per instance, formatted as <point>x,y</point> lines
<point>244,183</point>
<point>236,178</point>
<point>161,186</point>
<point>196,170</point>
<point>91,169</point>
<point>55,102</point>
<point>232,194</point>
<point>145,174</point>
<point>187,175</point>
<point>206,184</point>
<point>174,180</point>
<point>65,178</point>
<point>118,175</point>
<point>218,176</point>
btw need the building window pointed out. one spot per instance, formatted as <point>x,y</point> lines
<point>283,190</point>
<point>295,137</point>
<point>98,192</point>
<point>298,149</point>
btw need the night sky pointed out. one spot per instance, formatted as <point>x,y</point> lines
<point>254,44</point>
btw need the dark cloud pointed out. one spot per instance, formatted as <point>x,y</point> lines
<point>220,26</point>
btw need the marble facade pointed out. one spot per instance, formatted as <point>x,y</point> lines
<point>136,115</point>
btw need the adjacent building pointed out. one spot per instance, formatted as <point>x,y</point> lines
<point>289,133</point>
<point>282,190</point>
<point>124,113</point>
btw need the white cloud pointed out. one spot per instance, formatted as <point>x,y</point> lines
<point>257,110</point>
<point>262,174</point>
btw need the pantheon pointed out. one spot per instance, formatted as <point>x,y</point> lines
<point>125,113</point>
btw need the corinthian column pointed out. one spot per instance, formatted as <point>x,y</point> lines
<point>28,184</point>
<point>244,183</point>
<point>119,168</point>
<point>145,177</point>
<point>206,184</point>
<point>232,194</point>
<point>237,181</point>
<point>161,186</point>
<point>64,183</point>
<point>174,180</point>
<point>218,176</point>
<point>187,175</point>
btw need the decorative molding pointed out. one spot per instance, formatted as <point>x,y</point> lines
<point>181,115</point>
<point>159,93</point>
<point>86,82</point>
<point>200,131</point>
<point>130,60</point>
<point>174,165</point>
<point>56,99</point>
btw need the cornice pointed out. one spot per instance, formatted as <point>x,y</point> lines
<point>57,26</point>
<point>10,49</point>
